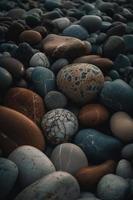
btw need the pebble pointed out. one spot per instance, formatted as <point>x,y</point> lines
<point>30,36</point>
<point>112,187</point>
<point>39,59</point>
<point>16,130</point>
<point>68,157</point>
<point>97,146</point>
<point>121,61</point>
<point>92,115</point>
<point>127,152</point>
<point>43,80</point>
<point>5,79</point>
<point>124,169</point>
<point>59,125</point>
<point>60,185</point>
<point>26,102</point>
<point>13,66</point>
<point>113,46</point>
<point>128,39</point>
<point>76,31</point>
<point>118,101</point>
<point>61,23</point>
<point>121,125</point>
<point>91,22</point>
<point>63,46</point>
<point>51,100</point>
<point>32,164</point>
<point>59,64</point>
<point>88,177</point>
<point>8,171</point>
<point>80,82</point>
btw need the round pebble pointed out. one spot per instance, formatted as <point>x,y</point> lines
<point>112,187</point>
<point>80,82</point>
<point>68,157</point>
<point>32,164</point>
<point>5,79</point>
<point>55,99</point>
<point>39,59</point>
<point>127,152</point>
<point>124,169</point>
<point>59,125</point>
<point>30,36</point>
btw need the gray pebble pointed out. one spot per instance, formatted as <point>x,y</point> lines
<point>39,59</point>
<point>127,152</point>
<point>124,169</point>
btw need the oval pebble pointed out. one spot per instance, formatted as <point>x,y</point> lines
<point>43,80</point>
<point>68,157</point>
<point>8,176</point>
<point>80,82</point>
<point>127,152</point>
<point>57,185</point>
<point>121,125</point>
<point>124,169</point>
<point>59,125</point>
<point>30,36</point>
<point>16,129</point>
<point>32,164</point>
<point>39,59</point>
<point>112,187</point>
<point>55,99</point>
<point>5,79</point>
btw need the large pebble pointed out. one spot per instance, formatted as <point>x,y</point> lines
<point>13,66</point>
<point>97,146</point>
<point>92,23</point>
<point>32,164</point>
<point>58,185</point>
<point>39,59</point>
<point>124,169</point>
<point>122,126</point>
<point>8,177</point>
<point>80,82</point>
<point>68,157</point>
<point>88,177</point>
<point>16,130</point>
<point>92,115</point>
<point>117,95</point>
<point>112,187</point>
<point>27,102</point>
<point>59,125</point>
<point>43,80</point>
<point>63,46</point>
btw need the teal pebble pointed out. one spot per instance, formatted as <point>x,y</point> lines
<point>114,74</point>
<point>5,79</point>
<point>43,80</point>
<point>97,146</point>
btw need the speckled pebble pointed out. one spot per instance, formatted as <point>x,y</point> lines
<point>39,59</point>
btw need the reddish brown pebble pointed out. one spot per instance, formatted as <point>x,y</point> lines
<point>88,177</point>
<point>104,64</point>
<point>92,115</point>
<point>27,102</point>
<point>16,129</point>
<point>63,46</point>
<point>30,36</point>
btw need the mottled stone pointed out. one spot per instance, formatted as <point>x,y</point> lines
<point>39,59</point>
<point>59,125</point>
<point>80,82</point>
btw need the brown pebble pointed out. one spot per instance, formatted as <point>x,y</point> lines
<point>13,66</point>
<point>104,64</point>
<point>88,177</point>
<point>63,46</point>
<point>92,115</point>
<point>27,102</point>
<point>16,129</point>
<point>30,36</point>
